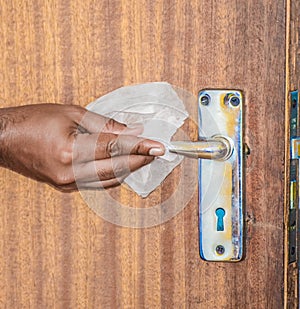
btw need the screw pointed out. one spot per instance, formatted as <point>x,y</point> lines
<point>220,249</point>
<point>205,100</point>
<point>235,101</point>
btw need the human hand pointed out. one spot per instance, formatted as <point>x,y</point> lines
<point>66,146</point>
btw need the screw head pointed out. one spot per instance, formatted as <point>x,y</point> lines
<point>220,249</point>
<point>205,99</point>
<point>235,101</point>
<point>232,99</point>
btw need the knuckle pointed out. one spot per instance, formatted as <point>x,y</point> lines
<point>119,171</point>
<point>103,174</point>
<point>112,125</point>
<point>112,147</point>
<point>66,156</point>
<point>140,148</point>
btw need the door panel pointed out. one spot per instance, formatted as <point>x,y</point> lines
<point>56,252</point>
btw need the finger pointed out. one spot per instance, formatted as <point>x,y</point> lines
<point>95,123</point>
<point>90,147</point>
<point>72,187</point>
<point>100,184</point>
<point>111,168</point>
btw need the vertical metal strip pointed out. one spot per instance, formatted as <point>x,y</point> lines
<point>294,183</point>
<point>293,206</point>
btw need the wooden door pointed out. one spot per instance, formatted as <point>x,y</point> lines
<point>55,251</point>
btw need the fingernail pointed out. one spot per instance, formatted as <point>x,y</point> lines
<point>156,152</point>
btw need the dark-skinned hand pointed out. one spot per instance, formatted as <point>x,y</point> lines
<point>68,147</point>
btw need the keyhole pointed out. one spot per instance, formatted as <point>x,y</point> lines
<point>220,212</point>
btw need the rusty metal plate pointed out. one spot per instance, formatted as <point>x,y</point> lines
<point>221,181</point>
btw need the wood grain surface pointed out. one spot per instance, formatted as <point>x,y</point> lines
<point>55,251</point>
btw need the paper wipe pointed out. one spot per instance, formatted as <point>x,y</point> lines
<point>160,110</point>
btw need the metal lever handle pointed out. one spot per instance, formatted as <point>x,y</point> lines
<point>216,148</point>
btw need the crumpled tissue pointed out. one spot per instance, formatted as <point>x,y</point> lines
<point>160,110</point>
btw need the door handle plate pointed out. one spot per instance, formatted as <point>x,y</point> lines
<point>221,181</point>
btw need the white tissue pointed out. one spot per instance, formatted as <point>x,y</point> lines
<point>160,110</point>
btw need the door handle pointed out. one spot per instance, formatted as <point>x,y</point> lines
<point>216,148</point>
<point>220,173</point>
